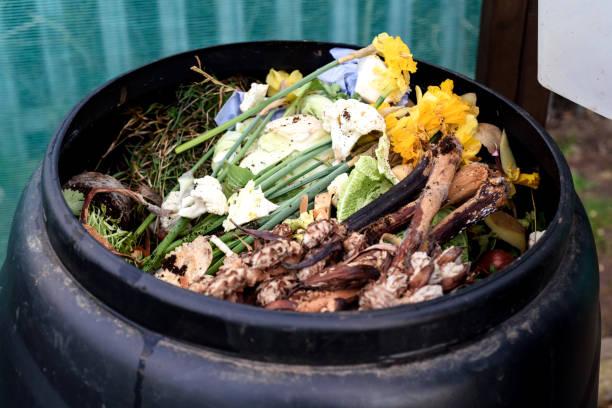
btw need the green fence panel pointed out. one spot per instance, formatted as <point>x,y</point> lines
<point>53,52</point>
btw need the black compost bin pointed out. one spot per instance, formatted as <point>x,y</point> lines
<point>81,328</point>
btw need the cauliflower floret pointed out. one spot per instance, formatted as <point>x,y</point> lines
<point>172,203</point>
<point>247,205</point>
<point>348,120</point>
<point>535,237</point>
<point>206,197</point>
<point>255,95</point>
<point>194,198</point>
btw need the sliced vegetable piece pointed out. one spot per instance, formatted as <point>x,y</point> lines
<point>508,229</point>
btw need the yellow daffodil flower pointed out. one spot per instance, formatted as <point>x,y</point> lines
<point>278,80</point>
<point>511,170</point>
<point>394,81</point>
<point>437,110</point>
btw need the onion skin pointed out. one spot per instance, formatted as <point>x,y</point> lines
<point>495,258</point>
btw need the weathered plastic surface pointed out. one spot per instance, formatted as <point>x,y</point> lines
<point>61,347</point>
<point>78,327</point>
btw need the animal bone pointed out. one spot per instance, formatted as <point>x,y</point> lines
<point>489,197</point>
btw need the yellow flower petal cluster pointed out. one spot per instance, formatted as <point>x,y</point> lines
<point>437,110</point>
<point>531,180</point>
<point>278,80</point>
<point>395,79</point>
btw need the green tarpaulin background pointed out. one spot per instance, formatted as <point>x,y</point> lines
<point>53,52</point>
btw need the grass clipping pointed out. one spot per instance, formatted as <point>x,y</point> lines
<point>143,153</point>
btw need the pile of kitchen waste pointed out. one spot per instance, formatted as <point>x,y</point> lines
<point>338,190</point>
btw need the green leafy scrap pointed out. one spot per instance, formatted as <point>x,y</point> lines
<point>74,199</point>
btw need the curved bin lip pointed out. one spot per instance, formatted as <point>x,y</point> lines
<point>252,332</point>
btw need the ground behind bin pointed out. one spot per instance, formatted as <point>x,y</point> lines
<point>586,141</point>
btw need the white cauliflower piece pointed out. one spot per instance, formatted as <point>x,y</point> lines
<point>348,120</point>
<point>247,205</point>
<point>194,198</point>
<point>255,95</point>
<point>535,237</point>
<point>172,203</point>
<point>368,76</point>
<point>206,197</point>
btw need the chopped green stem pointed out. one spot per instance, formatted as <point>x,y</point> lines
<point>154,261</point>
<point>287,209</point>
<point>274,189</point>
<point>208,224</point>
<point>274,167</point>
<point>244,149</point>
<point>303,182</point>
<point>283,212</point>
<point>294,164</point>
<point>254,110</point>
<point>237,143</point>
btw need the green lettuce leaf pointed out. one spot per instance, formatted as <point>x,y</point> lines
<point>382,159</point>
<point>74,199</point>
<point>365,184</point>
<point>315,105</point>
<point>236,178</point>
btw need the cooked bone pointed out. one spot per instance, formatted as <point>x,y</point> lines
<point>490,196</point>
<point>429,203</point>
<point>389,223</point>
